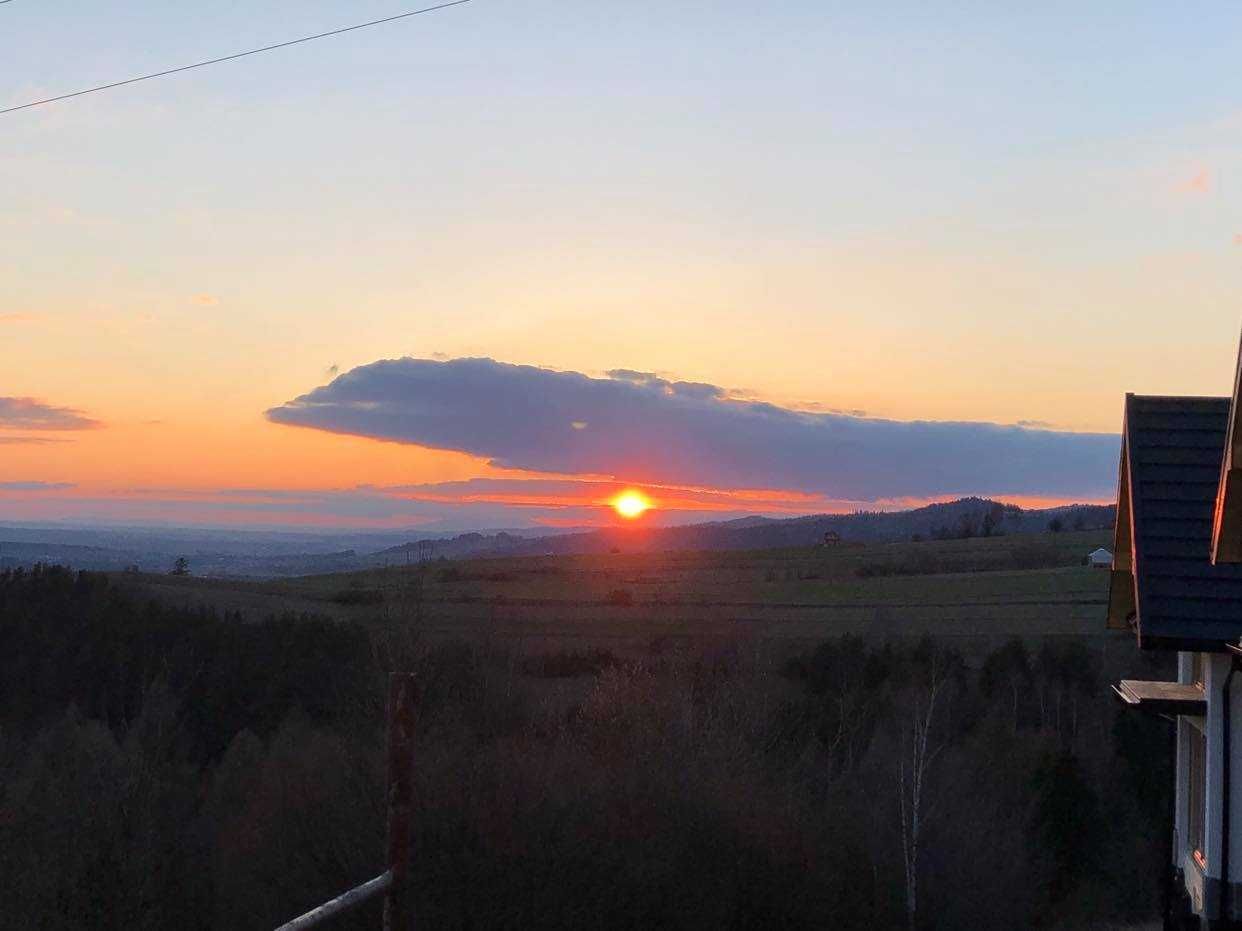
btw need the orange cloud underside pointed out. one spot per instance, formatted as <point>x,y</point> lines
<point>594,507</point>
<point>209,455</point>
<point>189,463</point>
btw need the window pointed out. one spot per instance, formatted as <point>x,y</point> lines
<point>1196,797</point>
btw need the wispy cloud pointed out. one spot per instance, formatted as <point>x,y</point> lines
<point>17,318</point>
<point>32,414</point>
<point>205,300</point>
<point>546,493</point>
<point>28,440</point>
<point>36,486</point>
<point>818,407</point>
<point>1200,182</point>
<point>648,429</point>
<point>476,504</point>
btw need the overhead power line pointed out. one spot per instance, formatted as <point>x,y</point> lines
<point>236,55</point>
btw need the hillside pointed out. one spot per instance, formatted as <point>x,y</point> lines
<point>961,519</point>
<point>257,554</point>
<point>979,589</point>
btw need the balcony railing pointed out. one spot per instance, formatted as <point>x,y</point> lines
<point>398,913</point>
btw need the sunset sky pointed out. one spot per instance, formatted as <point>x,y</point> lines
<point>489,266</point>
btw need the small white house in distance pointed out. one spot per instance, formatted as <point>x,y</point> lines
<point>1100,559</point>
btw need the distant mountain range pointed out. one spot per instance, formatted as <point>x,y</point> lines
<point>966,517</point>
<point>210,551</point>
<point>258,554</point>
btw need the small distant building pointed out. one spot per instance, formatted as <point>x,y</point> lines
<point>832,538</point>
<point>1100,559</point>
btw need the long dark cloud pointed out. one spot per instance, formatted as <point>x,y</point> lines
<point>645,428</point>
<point>35,486</point>
<point>31,414</point>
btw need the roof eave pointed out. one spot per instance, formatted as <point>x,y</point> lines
<point>1122,601</point>
<point>1227,521</point>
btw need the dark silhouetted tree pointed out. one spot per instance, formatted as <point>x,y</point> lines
<point>966,527</point>
<point>1065,825</point>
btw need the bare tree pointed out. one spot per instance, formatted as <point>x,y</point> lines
<point>916,752</point>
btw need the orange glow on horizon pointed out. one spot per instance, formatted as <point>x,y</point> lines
<point>631,504</point>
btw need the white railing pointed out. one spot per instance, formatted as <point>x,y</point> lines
<point>398,911</point>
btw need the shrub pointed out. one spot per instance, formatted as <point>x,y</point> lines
<point>622,597</point>
<point>569,664</point>
<point>358,596</point>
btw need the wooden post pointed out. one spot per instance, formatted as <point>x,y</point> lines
<point>398,910</point>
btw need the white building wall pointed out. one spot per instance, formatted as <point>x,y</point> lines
<point>1181,769</point>
<point>1216,668</point>
<point>1203,893</point>
<point>1235,778</point>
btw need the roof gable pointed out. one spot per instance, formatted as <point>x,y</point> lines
<point>1227,519</point>
<point>1165,583</point>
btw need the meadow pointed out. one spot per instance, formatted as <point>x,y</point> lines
<point>985,589</point>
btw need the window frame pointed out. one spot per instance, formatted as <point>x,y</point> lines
<point>1196,792</point>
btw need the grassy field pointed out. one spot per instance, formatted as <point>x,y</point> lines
<point>991,589</point>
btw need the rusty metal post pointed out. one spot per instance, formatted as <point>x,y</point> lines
<point>398,910</point>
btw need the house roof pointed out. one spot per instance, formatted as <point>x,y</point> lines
<point>1227,520</point>
<point>1101,552</point>
<point>1164,583</point>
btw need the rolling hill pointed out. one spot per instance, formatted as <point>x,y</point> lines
<point>963,518</point>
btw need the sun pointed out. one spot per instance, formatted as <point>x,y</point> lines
<point>631,504</point>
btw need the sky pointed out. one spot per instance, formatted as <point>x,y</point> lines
<point>488,266</point>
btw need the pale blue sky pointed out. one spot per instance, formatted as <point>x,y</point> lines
<point>989,212</point>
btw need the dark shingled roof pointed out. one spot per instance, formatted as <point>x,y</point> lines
<point>1173,448</point>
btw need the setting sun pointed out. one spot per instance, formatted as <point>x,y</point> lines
<point>631,504</point>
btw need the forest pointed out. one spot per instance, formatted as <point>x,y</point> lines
<point>165,767</point>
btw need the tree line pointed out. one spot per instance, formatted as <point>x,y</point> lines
<point>163,766</point>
